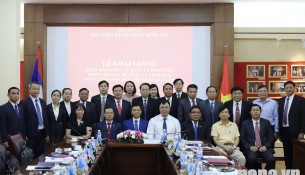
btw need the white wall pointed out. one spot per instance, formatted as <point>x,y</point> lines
<point>9,46</point>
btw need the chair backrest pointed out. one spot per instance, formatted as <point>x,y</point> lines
<point>2,160</point>
<point>16,142</point>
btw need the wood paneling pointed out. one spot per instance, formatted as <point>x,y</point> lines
<point>33,13</point>
<point>33,33</point>
<point>224,13</point>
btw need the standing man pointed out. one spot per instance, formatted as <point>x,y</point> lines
<point>11,117</point>
<point>256,136</point>
<point>269,108</point>
<point>163,124</point>
<point>291,120</point>
<point>68,105</point>
<point>213,105</point>
<point>35,120</point>
<point>238,108</point>
<point>121,107</point>
<point>90,107</point>
<point>173,102</point>
<point>135,123</point>
<point>148,104</point>
<point>179,94</point>
<point>101,99</point>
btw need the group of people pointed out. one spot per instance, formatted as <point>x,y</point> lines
<point>239,129</point>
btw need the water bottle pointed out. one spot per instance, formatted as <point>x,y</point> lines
<point>98,140</point>
<point>191,165</point>
<point>199,152</point>
<point>183,160</point>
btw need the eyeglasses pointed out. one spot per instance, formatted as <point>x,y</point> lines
<point>196,112</point>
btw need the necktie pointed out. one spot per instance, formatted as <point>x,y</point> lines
<point>285,118</point>
<point>136,126</point>
<point>168,102</point>
<point>178,96</point>
<point>145,108</point>
<point>38,113</point>
<point>102,109</point>
<point>193,103</point>
<point>165,128</point>
<point>257,136</point>
<point>212,112</point>
<point>16,110</point>
<point>119,107</point>
<point>237,114</point>
<point>108,129</point>
<point>195,130</point>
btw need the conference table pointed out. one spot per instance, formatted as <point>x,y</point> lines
<point>117,158</point>
<point>299,155</point>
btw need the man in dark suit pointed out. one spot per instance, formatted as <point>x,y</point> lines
<point>257,139</point>
<point>90,107</point>
<point>195,128</point>
<point>135,123</point>
<point>11,117</point>
<point>179,94</point>
<point>238,108</point>
<point>291,121</point>
<point>35,120</point>
<point>149,106</point>
<point>69,107</point>
<point>100,100</point>
<point>213,105</point>
<point>186,104</point>
<point>168,91</point>
<point>121,107</point>
<point>109,128</point>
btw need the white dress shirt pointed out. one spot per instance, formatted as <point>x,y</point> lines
<point>33,99</point>
<point>289,105</point>
<point>155,127</point>
<point>68,107</point>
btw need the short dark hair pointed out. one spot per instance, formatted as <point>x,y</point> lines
<point>11,88</point>
<point>103,81</point>
<point>253,105</point>
<point>168,84</point>
<point>211,87</point>
<point>262,86</point>
<point>56,90</point>
<point>117,85</point>
<point>33,82</point>
<point>80,105</point>
<point>134,87</point>
<point>289,82</point>
<point>236,88</point>
<point>64,89</point>
<point>83,89</point>
<point>108,107</point>
<point>135,105</point>
<point>178,79</point>
<point>163,102</point>
<point>195,106</point>
<point>144,84</point>
<point>221,109</point>
<point>192,86</point>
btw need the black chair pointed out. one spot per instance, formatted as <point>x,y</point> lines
<point>2,160</point>
<point>16,142</point>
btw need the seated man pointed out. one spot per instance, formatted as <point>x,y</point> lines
<point>195,128</point>
<point>108,127</point>
<point>257,139</point>
<point>226,137</point>
<point>163,124</point>
<point>135,123</point>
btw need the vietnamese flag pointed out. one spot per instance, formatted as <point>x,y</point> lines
<point>225,88</point>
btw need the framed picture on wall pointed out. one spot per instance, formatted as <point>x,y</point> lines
<point>255,71</point>
<point>278,71</point>
<point>276,87</point>
<point>297,71</point>
<point>252,86</point>
<point>251,99</point>
<point>299,87</point>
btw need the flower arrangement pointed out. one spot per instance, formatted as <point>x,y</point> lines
<point>131,136</point>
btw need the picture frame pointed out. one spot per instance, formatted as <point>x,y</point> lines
<point>276,87</point>
<point>297,71</point>
<point>278,71</point>
<point>255,71</point>
<point>300,87</point>
<point>252,86</point>
<point>251,99</point>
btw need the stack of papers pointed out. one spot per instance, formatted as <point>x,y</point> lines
<point>218,160</point>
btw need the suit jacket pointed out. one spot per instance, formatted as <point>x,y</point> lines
<point>173,106</point>
<point>10,123</point>
<point>62,103</point>
<point>152,107</point>
<point>128,124</point>
<point>125,113</point>
<point>183,96</point>
<point>247,134</point>
<point>296,115</point>
<point>31,118</point>
<point>90,113</point>
<point>244,111</point>
<point>98,104</point>
<point>184,109</point>
<point>203,130</point>
<point>57,127</point>
<point>116,128</point>
<point>208,112</point>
